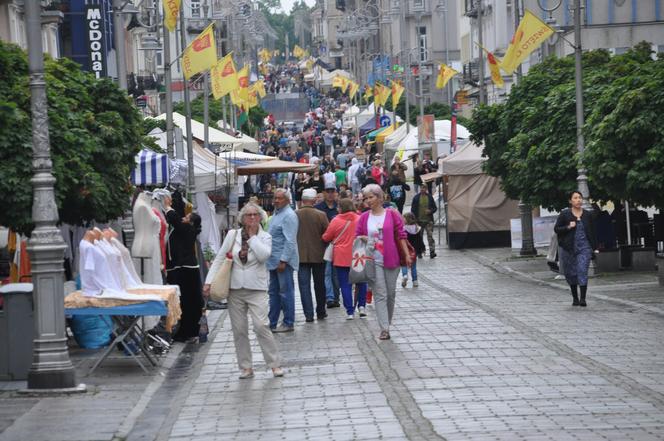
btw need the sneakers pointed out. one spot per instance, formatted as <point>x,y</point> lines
<point>415,284</point>
<point>334,304</point>
<point>362,311</point>
<point>404,281</point>
<point>432,254</point>
<point>283,328</point>
<point>350,317</point>
<point>277,372</point>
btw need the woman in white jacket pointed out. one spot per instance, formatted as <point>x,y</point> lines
<point>250,249</point>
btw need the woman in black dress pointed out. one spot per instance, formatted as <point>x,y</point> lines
<point>182,269</point>
<point>575,228</point>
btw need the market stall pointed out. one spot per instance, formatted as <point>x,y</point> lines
<point>274,166</point>
<point>478,211</point>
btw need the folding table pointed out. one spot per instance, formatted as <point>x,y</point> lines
<point>126,328</point>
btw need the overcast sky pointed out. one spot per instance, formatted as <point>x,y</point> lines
<point>286,5</point>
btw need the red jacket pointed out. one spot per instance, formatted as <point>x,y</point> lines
<point>343,247</point>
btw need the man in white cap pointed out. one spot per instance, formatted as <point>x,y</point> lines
<point>312,225</point>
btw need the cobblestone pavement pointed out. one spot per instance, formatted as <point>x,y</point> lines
<point>474,354</point>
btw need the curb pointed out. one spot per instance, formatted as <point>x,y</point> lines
<point>216,318</point>
<point>524,277</point>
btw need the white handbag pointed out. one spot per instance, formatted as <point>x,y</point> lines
<point>221,282</point>
<point>328,256</point>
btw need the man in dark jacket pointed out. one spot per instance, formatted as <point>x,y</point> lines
<point>313,224</point>
<point>423,207</point>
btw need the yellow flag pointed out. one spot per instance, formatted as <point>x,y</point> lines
<point>530,34</point>
<point>224,77</point>
<point>171,12</point>
<point>201,54</point>
<point>243,83</point>
<point>345,84</point>
<point>337,81</point>
<point>368,93</point>
<point>354,87</point>
<point>494,67</point>
<point>384,94</point>
<point>252,100</point>
<point>235,98</point>
<point>444,74</point>
<point>259,87</point>
<point>397,91</point>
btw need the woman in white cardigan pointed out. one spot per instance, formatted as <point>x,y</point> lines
<point>250,249</point>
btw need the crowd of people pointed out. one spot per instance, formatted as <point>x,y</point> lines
<point>349,193</point>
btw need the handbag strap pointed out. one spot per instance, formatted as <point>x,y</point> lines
<point>334,242</point>
<point>232,242</point>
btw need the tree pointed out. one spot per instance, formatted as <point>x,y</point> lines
<point>625,152</point>
<point>530,141</point>
<point>95,134</point>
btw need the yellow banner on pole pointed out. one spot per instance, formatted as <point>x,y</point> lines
<point>353,88</point>
<point>224,77</point>
<point>171,12</point>
<point>243,83</point>
<point>445,73</point>
<point>397,91</point>
<point>201,54</point>
<point>530,34</point>
<point>384,94</point>
<point>368,93</point>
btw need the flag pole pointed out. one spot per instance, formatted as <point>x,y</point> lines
<point>191,182</point>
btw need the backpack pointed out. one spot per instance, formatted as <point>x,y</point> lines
<point>361,174</point>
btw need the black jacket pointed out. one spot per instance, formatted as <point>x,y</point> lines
<point>415,204</point>
<point>181,247</point>
<point>566,234</point>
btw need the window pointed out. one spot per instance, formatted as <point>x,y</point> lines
<point>160,59</point>
<point>418,5</point>
<point>196,8</point>
<point>422,35</point>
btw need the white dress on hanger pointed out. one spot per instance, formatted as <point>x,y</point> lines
<point>114,261</point>
<point>130,275</point>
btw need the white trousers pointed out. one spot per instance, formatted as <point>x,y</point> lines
<point>241,302</point>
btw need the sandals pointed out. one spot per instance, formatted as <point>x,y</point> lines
<point>384,335</point>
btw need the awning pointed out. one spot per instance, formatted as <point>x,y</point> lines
<point>151,169</point>
<point>239,159</point>
<point>385,133</point>
<point>274,166</point>
<point>371,136</point>
<point>215,136</point>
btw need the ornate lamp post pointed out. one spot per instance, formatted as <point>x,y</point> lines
<point>51,367</point>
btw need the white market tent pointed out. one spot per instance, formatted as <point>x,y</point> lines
<point>327,77</point>
<point>478,211</point>
<point>248,143</point>
<point>442,133</point>
<point>366,115</point>
<point>198,132</point>
<point>204,164</point>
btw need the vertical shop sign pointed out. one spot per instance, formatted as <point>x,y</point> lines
<point>96,46</point>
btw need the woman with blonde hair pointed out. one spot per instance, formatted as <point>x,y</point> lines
<point>250,248</point>
<point>384,231</point>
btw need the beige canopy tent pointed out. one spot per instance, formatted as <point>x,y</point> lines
<point>274,166</point>
<point>478,212</point>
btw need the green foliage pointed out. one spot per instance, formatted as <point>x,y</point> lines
<point>95,133</point>
<point>282,22</point>
<point>530,140</point>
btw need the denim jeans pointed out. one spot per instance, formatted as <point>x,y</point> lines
<point>282,297</point>
<point>331,283</point>
<point>361,294</point>
<point>413,271</point>
<point>317,270</point>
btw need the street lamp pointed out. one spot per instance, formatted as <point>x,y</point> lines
<point>51,367</point>
<point>582,178</point>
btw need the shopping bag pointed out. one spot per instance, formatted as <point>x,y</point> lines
<point>221,283</point>
<point>362,267</point>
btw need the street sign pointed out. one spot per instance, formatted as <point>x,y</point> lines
<point>385,121</point>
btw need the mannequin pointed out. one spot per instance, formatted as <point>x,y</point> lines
<point>147,226</point>
<point>112,256</point>
<point>95,271</point>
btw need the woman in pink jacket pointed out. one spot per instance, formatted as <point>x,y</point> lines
<point>341,232</point>
<point>383,229</point>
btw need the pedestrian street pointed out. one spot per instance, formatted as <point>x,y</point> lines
<point>474,355</point>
